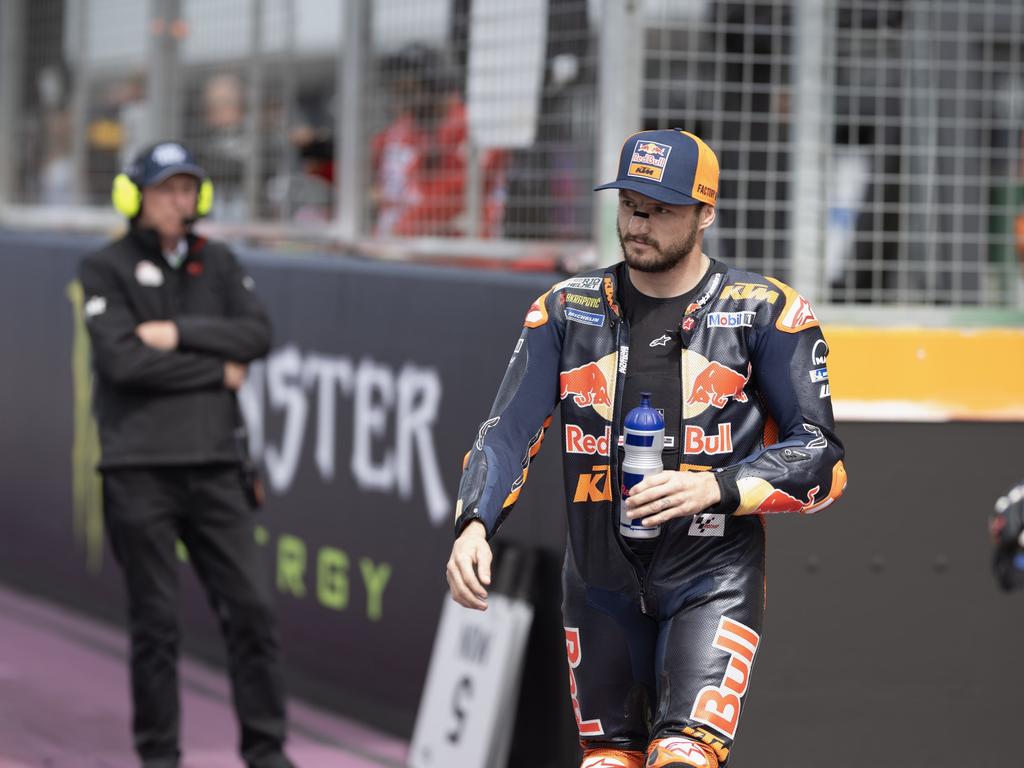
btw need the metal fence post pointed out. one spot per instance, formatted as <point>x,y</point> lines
<point>253,174</point>
<point>12,35</point>
<point>619,95</point>
<point>81,81</point>
<point>808,201</point>
<point>350,122</point>
<point>163,117</point>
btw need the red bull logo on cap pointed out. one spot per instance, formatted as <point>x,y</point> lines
<point>649,160</point>
<point>591,385</point>
<point>652,148</point>
<point>708,383</point>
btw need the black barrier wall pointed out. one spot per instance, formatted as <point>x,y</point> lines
<point>885,640</point>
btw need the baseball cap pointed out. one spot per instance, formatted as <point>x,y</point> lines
<point>670,166</point>
<point>161,161</point>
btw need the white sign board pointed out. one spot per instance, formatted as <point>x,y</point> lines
<point>507,46</point>
<point>468,706</point>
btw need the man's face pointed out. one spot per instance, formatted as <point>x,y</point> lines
<point>169,205</point>
<point>663,238</point>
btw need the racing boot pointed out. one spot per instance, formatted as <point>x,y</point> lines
<point>612,758</point>
<point>680,752</point>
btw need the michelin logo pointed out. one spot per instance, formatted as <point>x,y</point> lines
<point>730,319</point>
<point>586,318</point>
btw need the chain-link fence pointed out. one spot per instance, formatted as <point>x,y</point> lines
<point>870,149</point>
<point>897,123</point>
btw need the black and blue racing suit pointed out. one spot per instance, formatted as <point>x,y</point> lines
<point>665,648</point>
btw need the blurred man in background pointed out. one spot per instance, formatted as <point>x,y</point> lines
<point>173,322</point>
<point>663,584</point>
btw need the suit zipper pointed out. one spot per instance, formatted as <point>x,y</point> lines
<point>645,583</point>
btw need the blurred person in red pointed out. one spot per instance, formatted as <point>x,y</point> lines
<point>420,159</point>
<point>174,321</point>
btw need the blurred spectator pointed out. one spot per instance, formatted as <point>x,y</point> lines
<point>115,131</point>
<point>420,159</point>
<point>223,145</point>
<point>56,172</point>
<point>307,196</point>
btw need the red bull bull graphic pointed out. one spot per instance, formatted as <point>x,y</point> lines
<point>780,501</point>
<point>759,497</point>
<point>591,385</point>
<point>649,160</point>
<point>709,383</point>
<point>587,384</point>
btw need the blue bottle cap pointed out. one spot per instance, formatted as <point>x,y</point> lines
<point>644,417</point>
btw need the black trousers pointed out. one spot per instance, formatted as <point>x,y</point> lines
<point>147,510</point>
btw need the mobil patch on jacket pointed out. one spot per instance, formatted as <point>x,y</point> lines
<point>586,318</point>
<point>649,160</point>
<point>730,319</point>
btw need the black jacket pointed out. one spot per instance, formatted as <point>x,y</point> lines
<point>756,410</point>
<point>168,408</point>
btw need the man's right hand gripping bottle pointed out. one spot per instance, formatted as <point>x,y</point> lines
<point>644,433</point>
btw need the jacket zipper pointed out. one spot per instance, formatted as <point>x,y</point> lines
<point>684,342</point>
<point>613,451</point>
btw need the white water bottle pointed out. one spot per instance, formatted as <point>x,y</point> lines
<point>644,437</point>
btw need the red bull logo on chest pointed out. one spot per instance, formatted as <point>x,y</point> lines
<point>591,385</point>
<point>708,383</point>
<point>649,160</point>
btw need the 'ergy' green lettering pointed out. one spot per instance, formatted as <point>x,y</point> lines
<point>291,565</point>
<point>375,578</point>
<point>332,578</point>
<point>333,585</point>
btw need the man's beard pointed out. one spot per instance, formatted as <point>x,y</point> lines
<point>663,259</point>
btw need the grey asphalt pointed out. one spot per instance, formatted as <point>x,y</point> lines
<point>64,703</point>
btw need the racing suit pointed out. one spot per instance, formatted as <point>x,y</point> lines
<point>667,649</point>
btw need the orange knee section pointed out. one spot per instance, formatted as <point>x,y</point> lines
<point>680,752</point>
<point>612,758</point>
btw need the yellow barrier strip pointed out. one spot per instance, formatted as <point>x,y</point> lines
<point>926,374</point>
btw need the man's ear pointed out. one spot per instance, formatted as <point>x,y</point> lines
<point>708,214</point>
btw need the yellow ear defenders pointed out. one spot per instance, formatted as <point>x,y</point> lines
<point>127,197</point>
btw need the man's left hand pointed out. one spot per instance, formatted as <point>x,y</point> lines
<point>158,334</point>
<point>658,498</point>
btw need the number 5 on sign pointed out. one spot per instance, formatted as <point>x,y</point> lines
<point>468,705</point>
